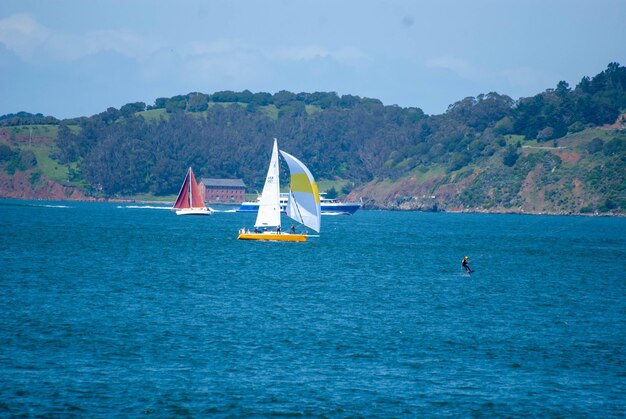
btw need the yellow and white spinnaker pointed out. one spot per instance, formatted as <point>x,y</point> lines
<point>304,198</point>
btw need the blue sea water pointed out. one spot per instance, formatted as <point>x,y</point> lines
<point>118,310</point>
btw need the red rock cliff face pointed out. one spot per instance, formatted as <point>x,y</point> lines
<point>19,186</point>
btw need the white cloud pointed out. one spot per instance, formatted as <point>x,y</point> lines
<point>33,42</point>
<point>301,53</point>
<point>313,52</point>
<point>124,42</point>
<point>235,62</point>
<point>528,78</point>
<point>221,63</point>
<point>349,54</point>
<point>22,34</point>
<point>459,66</point>
<point>218,47</point>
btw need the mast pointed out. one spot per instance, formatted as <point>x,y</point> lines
<point>190,194</point>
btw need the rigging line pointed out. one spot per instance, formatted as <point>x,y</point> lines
<point>297,206</point>
<point>190,194</point>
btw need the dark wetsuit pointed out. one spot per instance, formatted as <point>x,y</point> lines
<point>466,266</point>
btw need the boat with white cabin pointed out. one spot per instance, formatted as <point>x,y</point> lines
<point>328,206</point>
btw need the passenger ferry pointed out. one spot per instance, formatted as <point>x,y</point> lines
<point>328,206</point>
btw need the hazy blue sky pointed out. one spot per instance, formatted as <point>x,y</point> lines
<point>71,58</point>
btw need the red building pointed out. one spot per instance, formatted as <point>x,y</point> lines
<point>223,190</point>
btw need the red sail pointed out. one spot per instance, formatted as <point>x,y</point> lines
<point>189,195</point>
<point>196,196</point>
<point>183,196</point>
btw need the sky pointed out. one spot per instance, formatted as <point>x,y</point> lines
<point>69,58</point>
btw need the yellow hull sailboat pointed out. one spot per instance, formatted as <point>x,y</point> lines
<point>303,204</point>
<point>272,236</point>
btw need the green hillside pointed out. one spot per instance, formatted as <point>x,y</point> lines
<point>560,151</point>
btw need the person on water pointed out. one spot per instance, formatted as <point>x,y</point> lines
<point>293,229</point>
<point>465,265</point>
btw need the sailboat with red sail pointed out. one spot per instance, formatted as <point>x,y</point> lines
<point>189,200</point>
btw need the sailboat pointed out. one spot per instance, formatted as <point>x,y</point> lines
<point>303,204</point>
<point>189,200</point>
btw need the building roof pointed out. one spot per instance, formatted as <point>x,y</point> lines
<point>231,183</point>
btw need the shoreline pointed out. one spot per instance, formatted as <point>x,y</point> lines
<point>512,212</point>
<point>367,208</point>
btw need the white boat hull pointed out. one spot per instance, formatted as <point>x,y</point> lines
<point>194,211</point>
<point>328,206</point>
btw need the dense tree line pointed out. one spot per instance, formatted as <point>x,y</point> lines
<point>594,101</point>
<point>229,134</point>
<point>199,102</point>
<point>132,155</point>
<point>26,118</point>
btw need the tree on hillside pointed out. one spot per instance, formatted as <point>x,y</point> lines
<point>510,157</point>
<point>562,89</point>
<point>325,100</point>
<point>159,103</point>
<point>27,159</point>
<point>225,96</point>
<point>483,111</point>
<point>283,97</point>
<point>6,153</point>
<point>132,108</point>
<point>261,99</point>
<point>197,102</point>
<point>595,145</point>
<point>176,104</point>
<point>26,118</point>
<point>110,116</point>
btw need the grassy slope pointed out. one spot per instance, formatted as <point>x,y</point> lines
<point>558,176</point>
<point>270,111</point>
<point>554,176</point>
<point>40,139</point>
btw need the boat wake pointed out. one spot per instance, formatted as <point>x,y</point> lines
<point>143,207</point>
<point>22,204</point>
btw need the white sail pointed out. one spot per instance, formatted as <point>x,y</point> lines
<point>291,209</point>
<point>269,206</point>
<point>304,197</point>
